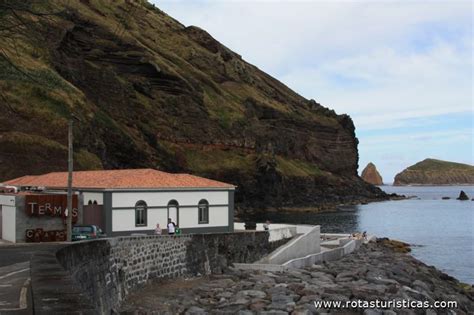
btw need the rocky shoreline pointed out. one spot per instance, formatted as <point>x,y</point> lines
<point>324,208</point>
<point>380,270</point>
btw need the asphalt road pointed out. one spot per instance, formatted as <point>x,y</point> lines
<point>15,296</point>
<point>12,254</point>
<point>15,288</point>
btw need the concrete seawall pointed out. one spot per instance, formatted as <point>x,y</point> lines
<point>305,244</point>
<point>99,274</point>
<point>307,249</point>
<point>325,255</point>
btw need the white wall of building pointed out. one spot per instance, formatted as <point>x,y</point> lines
<point>161,198</point>
<point>7,203</point>
<point>218,216</point>
<point>124,219</point>
<point>7,200</point>
<point>93,196</point>
<point>9,223</point>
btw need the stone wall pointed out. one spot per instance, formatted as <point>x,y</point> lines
<point>108,269</point>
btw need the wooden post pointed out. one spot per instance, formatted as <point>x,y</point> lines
<point>69,181</point>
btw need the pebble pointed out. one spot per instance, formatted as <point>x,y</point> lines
<point>253,293</point>
<point>194,310</point>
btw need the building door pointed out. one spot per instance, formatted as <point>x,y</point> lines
<point>173,210</point>
<point>92,214</point>
<point>1,235</point>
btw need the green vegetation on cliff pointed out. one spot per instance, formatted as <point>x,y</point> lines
<point>436,172</point>
<point>439,165</point>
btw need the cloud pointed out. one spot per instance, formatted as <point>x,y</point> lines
<point>383,87</point>
<point>285,30</point>
<point>415,139</point>
<point>381,62</point>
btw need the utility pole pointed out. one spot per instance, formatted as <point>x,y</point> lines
<point>69,181</point>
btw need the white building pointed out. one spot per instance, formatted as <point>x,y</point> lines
<point>122,202</point>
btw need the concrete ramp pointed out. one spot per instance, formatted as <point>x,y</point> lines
<point>308,249</point>
<point>303,245</point>
<point>326,254</point>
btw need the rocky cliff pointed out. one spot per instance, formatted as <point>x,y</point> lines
<point>371,175</point>
<point>436,172</point>
<point>148,91</point>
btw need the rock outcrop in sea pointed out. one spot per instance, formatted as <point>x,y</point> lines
<point>462,196</point>
<point>371,175</point>
<point>436,172</point>
<point>376,271</point>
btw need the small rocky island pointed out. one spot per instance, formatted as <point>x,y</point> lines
<point>436,172</point>
<point>371,175</point>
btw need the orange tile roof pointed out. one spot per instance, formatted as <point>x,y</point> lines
<point>120,179</point>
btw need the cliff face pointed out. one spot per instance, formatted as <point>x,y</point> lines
<point>371,175</point>
<point>150,92</point>
<point>436,172</point>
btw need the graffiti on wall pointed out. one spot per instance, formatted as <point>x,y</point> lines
<point>39,235</point>
<point>50,207</point>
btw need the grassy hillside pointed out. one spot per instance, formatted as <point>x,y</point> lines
<point>149,92</point>
<point>439,165</point>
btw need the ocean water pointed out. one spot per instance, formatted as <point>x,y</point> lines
<point>441,231</point>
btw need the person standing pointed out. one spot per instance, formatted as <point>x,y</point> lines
<point>266,225</point>
<point>171,227</point>
<point>158,229</point>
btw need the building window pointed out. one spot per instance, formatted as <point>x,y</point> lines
<point>203,207</point>
<point>140,213</point>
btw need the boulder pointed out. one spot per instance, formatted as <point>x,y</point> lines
<point>273,312</point>
<point>239,301</point>
<point>282,302</point>
<point>253,293</point>
<point>194,310</point>
<point>463,196</point>
<point>258,306</point>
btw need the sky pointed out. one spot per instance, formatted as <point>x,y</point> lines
<point>401,69</point>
